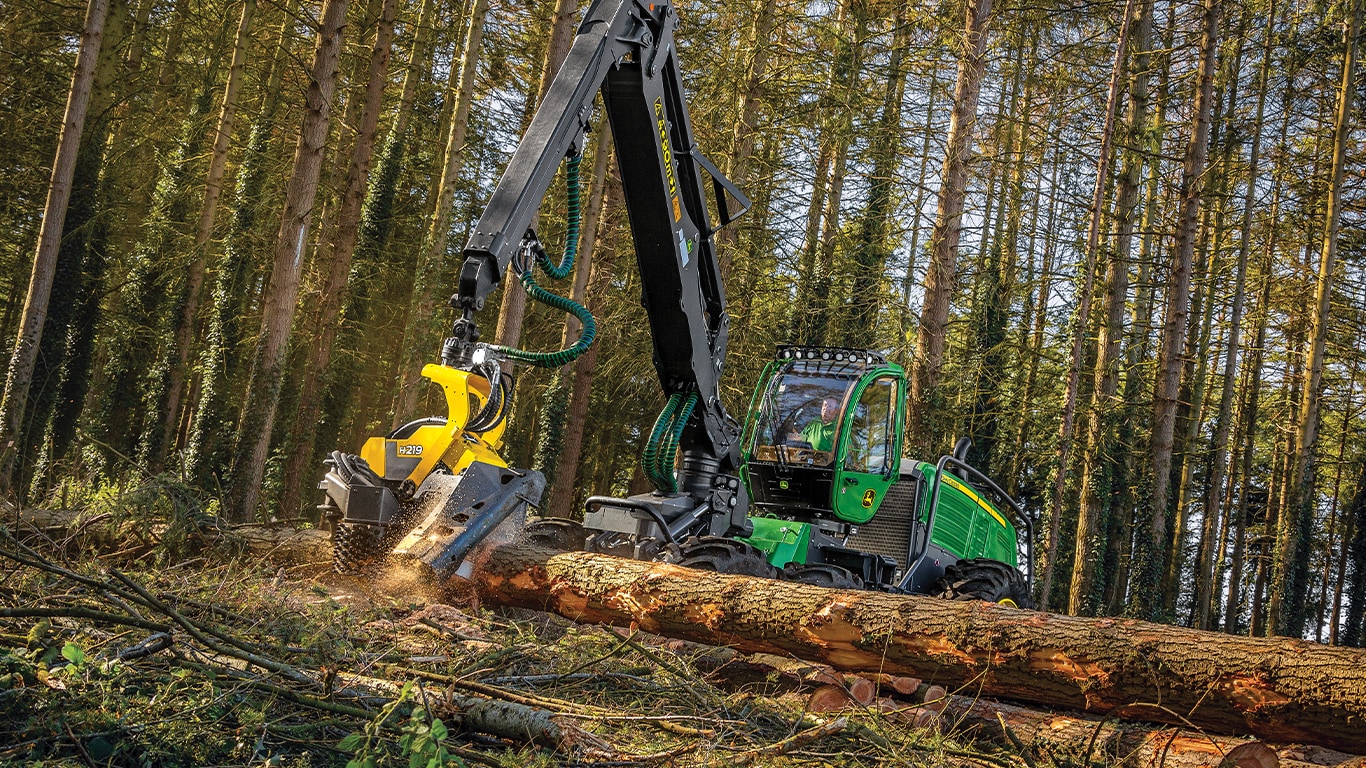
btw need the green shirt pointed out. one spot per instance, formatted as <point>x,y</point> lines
<point>820,435</point>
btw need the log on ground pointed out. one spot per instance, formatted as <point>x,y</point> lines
<point>1278,689</point>
<point>1063,739</point>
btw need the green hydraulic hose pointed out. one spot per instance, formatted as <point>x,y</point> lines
<point>665,456</point>
<point>589,327</point>
<point>649,458</point>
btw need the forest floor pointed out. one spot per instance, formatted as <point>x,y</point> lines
<point>148,634</point>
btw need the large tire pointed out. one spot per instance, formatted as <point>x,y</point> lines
<point>983,579</point>
<point>557,533</point>
<point>722,555</point>
<point>355,546</point>
<point>823,575</point>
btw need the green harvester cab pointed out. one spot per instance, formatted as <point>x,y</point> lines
<point>835,504</point>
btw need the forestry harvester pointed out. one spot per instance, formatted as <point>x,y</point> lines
<point>813,488</point>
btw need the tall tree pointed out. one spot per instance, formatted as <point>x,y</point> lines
<point>338,265</point>
<point>209,450</point>
<point>1081,322</point>
<point>421,318</point>
<point>1146,600</point>
<point>20,371</point>
<point>1098,459</point>
<point>263,392</point>
<point>939,276</point>
<point>1289,585</point>
<point>1206,614</point>
<point>186,326</point>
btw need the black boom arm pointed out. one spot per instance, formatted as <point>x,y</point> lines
<point>625,48</point>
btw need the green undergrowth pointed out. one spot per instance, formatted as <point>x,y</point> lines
<point>378,669</point>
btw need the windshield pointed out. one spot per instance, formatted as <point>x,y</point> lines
<point>799,419</point>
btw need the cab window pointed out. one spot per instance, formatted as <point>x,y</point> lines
<point>872,426</point>
<point>799,419</point>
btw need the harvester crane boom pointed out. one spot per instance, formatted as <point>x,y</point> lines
<point>626,50</point>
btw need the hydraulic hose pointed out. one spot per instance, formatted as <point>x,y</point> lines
<point>649,458</point>
<point>538,257</point>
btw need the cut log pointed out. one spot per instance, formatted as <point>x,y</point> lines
<point>860,689</point>
<point>1064,739</point>
<point>1278,689</point>
<point>830,698</point>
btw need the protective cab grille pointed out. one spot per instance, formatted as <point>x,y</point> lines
<point>889,533</point>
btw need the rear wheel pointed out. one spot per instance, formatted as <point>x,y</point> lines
<point>823,575</point>
<point>722,555</point>
<point>983,579</point>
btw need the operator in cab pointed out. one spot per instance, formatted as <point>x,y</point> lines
<point>819,432</point>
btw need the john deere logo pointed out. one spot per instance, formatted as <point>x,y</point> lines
<point>868,497</point>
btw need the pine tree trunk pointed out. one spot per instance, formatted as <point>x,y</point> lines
<point>742,138</point>
<point>939,277</point>
<point>1081,322</point>
<point>1206,612</point>
<point>209,447</point>
<point>20,371</point>
<point>996,285</point>
<point>338,267</point>
<point>1084,597</point>
<point>1354,623</point>
<point>78,275</point>
<point>552,439</point>
<point>913,250</point>
<point>194,281</point>
<point>1289,586</point>
<point>512,306</point>
<point>1147,599</point>
<point>421,319</point>
<point>263,392</point>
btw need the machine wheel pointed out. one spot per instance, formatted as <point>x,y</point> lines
<point>354,546</point>
<point>722,555</point>
<point>555,533</point>
<point>823,575</point>
<point>983,579</point>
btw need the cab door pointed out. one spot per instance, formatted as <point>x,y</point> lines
<point>868,453</point>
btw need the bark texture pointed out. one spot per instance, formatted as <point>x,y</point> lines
<point>263,394</point>
<point>939,276</point>
<point>1063,739</point>
<point>1283,690</point>
<point>21,364</point>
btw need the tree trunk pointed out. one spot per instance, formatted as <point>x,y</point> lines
<point>263,392</point>
<point>1289,585</point>
<point>56,395</point>
<point>1283,690</point>
<point>1088,527</point>
<point>1084,597</point>
<point>1148,559</point>
<point>1204,598</point>
<point>20,370</point>
<point>339,266</point>
<point>209,447</point>
<point>194,280</point>
<point>512,305</point>
<point>742,139</point>
<point>1354,624</point>
<point>1069,740</point>
<point>420,319</point>
<point>939,277</point>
